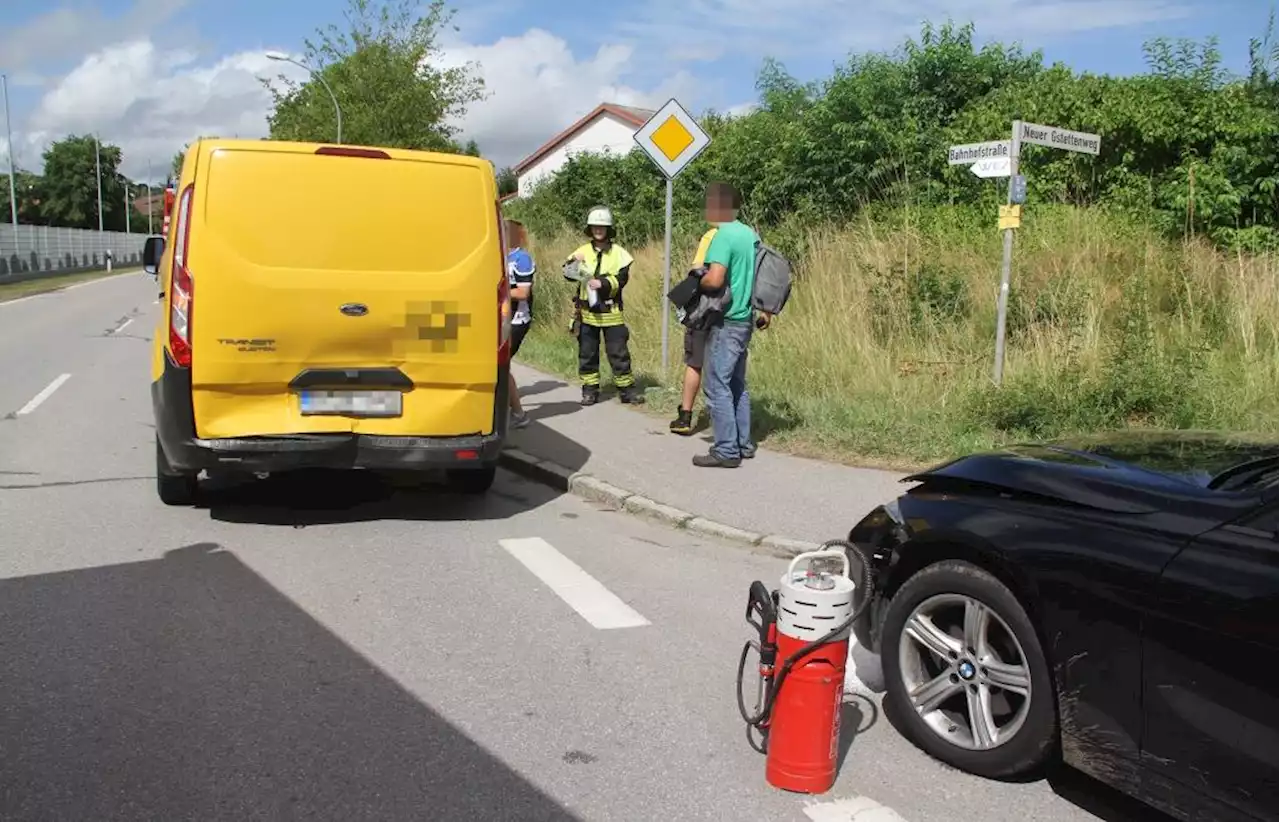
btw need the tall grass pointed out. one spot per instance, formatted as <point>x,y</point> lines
<point>884,354</point>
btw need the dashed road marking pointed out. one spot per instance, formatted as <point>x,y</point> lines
<point>38,399</point>
<point>122,326</point>
<point>852,809</point>
<point>581,591</point>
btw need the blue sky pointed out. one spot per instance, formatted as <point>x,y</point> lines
<point>151,74</point>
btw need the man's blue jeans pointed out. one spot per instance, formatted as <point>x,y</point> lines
<point>724,382</point>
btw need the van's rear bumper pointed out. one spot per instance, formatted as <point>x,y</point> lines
<point>175,427</point>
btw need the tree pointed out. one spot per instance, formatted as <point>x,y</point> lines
<point>383,72</point>
<point>70,186</point>
<point>28,190</point>
<point>508,182</point>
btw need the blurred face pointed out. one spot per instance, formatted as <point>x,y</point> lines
<point>599,233</point>
<point>719,208</point>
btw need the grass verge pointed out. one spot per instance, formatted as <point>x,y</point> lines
<point>884,354</point>
<point>27,288</point>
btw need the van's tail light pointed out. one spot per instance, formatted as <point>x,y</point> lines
<point>182,284</point>
<point>504,298</point>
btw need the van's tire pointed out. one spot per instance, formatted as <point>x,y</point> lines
<point>174,488</point>
<point>473,480</point>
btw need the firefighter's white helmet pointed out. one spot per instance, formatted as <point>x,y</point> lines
<point>600,216</point>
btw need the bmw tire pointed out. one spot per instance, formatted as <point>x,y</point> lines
<point>965,671</point>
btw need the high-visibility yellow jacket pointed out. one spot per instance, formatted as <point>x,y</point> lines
<point>612,267</point>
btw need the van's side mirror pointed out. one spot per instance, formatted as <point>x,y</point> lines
<point>152,251</point>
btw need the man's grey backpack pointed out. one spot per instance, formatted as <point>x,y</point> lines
<point>773,280</point>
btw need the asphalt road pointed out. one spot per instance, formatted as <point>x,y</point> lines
<point>328,647</point>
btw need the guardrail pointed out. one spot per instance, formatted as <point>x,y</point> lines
<point>32,252</point>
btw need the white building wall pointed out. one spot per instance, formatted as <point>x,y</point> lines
<point>606,132</point>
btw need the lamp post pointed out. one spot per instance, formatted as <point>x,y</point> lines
<point>337,109</point>
<point>8,127</point>
<point>97,164</point>
<point>150,210</point>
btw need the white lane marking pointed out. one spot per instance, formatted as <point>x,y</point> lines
<point>122,326</point>
<point>43,395</point>
<point>852,809</point>
<point>581,591</point>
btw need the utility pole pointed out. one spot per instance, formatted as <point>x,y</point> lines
<point>150,210</point>
<point>97,161</point>
<point>8,127</point>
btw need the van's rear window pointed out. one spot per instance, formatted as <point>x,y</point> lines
<point>303,211</point>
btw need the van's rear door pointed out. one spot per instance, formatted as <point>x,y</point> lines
<point>308,265</point>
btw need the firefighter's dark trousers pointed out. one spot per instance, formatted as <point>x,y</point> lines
<point>615,348</point>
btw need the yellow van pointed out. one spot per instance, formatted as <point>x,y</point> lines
<point>329,306</point>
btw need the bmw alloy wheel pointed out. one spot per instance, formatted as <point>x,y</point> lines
<point>964,672</point>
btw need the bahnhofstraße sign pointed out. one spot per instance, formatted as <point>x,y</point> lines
<point>1054,137</point>
<point>969,153</point>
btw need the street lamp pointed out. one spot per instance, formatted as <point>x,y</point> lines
<point>337,110</point>
<point>97,164</point>
<point>8,127</point>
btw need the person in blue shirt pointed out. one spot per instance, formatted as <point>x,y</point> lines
<point>520,270</point>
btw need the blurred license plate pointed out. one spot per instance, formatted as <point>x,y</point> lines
<point>351,403</point>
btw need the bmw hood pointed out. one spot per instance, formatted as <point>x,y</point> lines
<point>1125,472</point>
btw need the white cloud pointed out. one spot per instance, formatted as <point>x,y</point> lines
<point>150,102</point>
<point>536,87</point>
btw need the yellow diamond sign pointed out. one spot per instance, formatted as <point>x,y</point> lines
<point>672,138</point>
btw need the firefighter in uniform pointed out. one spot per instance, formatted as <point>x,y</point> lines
<point>602,268</point>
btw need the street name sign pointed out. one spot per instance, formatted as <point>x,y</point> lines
<point>994,167</point>
<point>672,138</point>
<point>1054,137</point>
<point>969,153</point>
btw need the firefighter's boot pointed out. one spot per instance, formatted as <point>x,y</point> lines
<point>590,394</point>
<point>630,395</point>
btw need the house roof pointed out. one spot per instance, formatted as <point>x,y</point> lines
<point>630,115</point>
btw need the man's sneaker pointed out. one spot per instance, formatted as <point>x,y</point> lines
<point>683,423</point>
<point>590,394</point>
<point>749,453</point>
<point>519,419</point>
<point>630,395</point>
<point>710,460</point>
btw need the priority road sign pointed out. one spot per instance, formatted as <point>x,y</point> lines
<point>1054,137</point>
<point>963,155</point>
<point>672,138</point>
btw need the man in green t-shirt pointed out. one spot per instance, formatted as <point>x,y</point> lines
<point>731,260</point>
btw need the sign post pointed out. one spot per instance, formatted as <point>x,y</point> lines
<point>672,139</point>
<point>999,158</point>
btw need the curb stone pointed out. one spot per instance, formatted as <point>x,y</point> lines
<point>645,507</point>
<point>592,488</point>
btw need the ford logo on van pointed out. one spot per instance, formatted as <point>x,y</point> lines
<point>354,309</point>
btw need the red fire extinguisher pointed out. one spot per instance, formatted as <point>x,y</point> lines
<point>806,623</point>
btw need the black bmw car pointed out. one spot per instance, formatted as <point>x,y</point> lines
<point>1110,601</point>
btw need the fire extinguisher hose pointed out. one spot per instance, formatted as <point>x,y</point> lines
<point>864,590</point>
